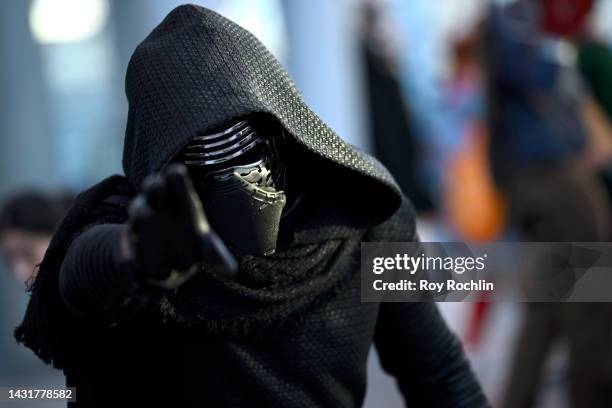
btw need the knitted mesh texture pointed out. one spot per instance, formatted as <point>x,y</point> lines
<point>198,70</point>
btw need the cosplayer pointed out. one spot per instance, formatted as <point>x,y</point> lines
<point>223,269</point>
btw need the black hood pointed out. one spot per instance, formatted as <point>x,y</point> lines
<point>198,70</point>
<point>194,72</point>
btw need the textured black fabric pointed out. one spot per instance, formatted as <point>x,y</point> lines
<point>290,330</point>
<point>315,358</point>
<point>96,281</point>
<point>48,327</point>
<point>198,70</point>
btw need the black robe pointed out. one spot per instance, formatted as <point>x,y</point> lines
<point>291,329</point>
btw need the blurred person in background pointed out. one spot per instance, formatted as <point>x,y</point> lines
<point>539,144</point>
<point>27,222</point>
<point>467,174</point>
<point>473,206</point>
<point>129,304</point>
<point>395,143</point>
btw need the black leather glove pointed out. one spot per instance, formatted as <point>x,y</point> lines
<point>169,235</point>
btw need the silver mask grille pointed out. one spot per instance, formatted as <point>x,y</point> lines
<point>222,146</point>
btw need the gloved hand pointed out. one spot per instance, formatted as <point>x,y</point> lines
<point>168,233</point>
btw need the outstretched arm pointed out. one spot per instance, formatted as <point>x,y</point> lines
<point>97,280</point>
<point>111,269</point>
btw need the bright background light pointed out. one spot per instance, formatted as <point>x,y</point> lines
<point>65,21</point>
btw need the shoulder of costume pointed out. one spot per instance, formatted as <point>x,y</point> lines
<point>399,227</point>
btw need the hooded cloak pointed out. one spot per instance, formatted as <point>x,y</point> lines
<point>291,329</point>
<point>194,72</point>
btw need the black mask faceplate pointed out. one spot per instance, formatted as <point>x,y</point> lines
<point>234,173</point>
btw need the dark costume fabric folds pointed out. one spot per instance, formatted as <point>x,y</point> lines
<point>290,330</point>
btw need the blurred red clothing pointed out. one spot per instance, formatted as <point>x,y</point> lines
<point>565,17</point>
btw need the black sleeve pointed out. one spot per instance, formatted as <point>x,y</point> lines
<point>96,282</point>
<point>416,346</point>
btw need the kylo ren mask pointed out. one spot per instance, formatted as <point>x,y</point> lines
<point>235,172</point>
